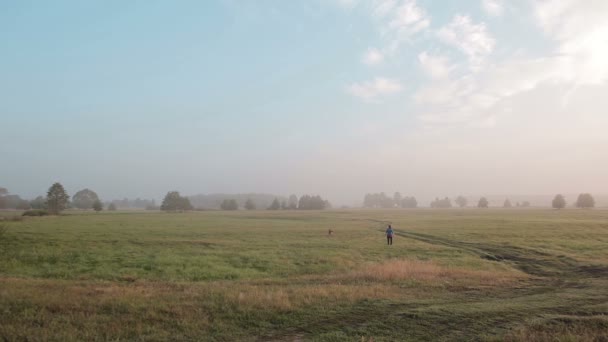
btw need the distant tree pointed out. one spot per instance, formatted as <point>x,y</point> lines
<point>461,201</point>
<point>308,202</point>
<point>380,200</point>
<point>97,206</point>
<point>409,202</point>
<point>518,205</point>
<point>397,199</point>
<point>37,203</point>
<point>559,202</point>
<point>441,203</point>
<point>56,199</point>
<point>483,203</point>
<point>84,199</point>
<point>385,201</point>
<point>23,205</point>
<point>173,201</point>
<point>249,205</point>
<point>507,204</point>
<point>585,201</point>
<point>292,202</point>
<point>3,192</point>
<point>112,207</point>
<point>368,201</point>
<point>275,205</point>
<point>229,204</point>
<point>525,204</point>
<point>284,205</point>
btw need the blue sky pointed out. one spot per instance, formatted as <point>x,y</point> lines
<point>337,97</point>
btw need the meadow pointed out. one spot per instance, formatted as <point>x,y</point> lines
<point>451,275</point>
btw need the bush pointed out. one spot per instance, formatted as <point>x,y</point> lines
<point>36,212</point>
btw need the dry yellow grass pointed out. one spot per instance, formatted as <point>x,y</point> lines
<point>428,272</point>
<point>291,297</point>
<point>371,281</point>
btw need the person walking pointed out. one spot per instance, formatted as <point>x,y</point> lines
<point>389,235</point>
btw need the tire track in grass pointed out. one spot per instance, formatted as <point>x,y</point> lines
<point>553,276</point>
<point>530,261</point>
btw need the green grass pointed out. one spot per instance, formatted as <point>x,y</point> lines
<point>225,276</point>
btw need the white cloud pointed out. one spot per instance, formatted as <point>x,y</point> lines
<point>399,20</point>
<point>373,56</point>
<point>580,29</point>
<point>470,38</point>
<point>408,18</point>
<point>493,7</point>
<point>435,66</point>
<point>381,8</point>
<point>371,90</point>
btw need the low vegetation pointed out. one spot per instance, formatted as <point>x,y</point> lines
<point>35,212</point>
<point>458,274</point>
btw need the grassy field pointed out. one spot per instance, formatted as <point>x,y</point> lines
<point>488,275</point>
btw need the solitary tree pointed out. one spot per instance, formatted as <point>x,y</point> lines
<point>275,205</point>
<point>559,202</point>
<point>483,203</point>
<point>97,206</point>
<point>249,205</point>
<point>507,204</point>
<point>585,201</point>
<point>112,207</point>
<point>173,202</point>
<point>56,199</point>
<point>84,199</point>
<point>461,201</point>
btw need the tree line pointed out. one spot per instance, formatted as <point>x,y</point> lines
<point>381,200</point>
<point>584,200</point>
<point>305,202</point>
<point>57,200</point>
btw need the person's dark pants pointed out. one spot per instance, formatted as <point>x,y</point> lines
<point>389,240</point>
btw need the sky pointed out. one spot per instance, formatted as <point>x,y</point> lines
<point>330,97</point>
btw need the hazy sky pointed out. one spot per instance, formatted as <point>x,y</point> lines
<point>336,97</point>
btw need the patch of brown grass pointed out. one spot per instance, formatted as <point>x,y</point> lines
<point>428,272</point>
<point>286,298</point>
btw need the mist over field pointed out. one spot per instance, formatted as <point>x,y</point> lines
<point>337,98</point>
